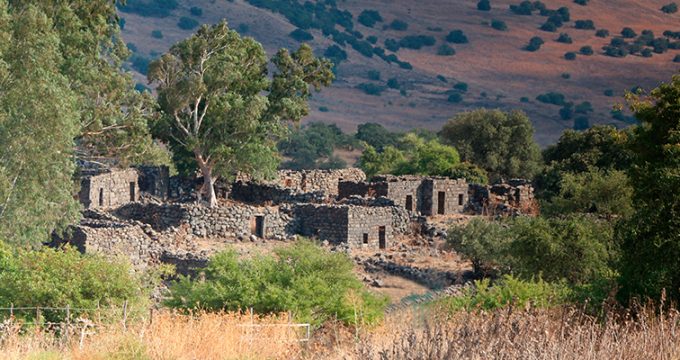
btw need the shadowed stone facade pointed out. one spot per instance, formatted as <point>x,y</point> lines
<point>308,181</point>
<point>108,188</point>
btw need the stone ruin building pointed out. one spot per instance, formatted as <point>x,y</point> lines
<point>137,212</point>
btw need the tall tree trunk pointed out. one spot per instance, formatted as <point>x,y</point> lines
<point>208,182</point>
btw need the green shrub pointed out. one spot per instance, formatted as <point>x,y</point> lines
<point>399,25</point>
<point>393,83</point>
<point>581,123</point>
<point>508,291</point>
<point>323,109</point>
<point>301,35</point>
<point>524,99</point>
<point>628,33</point>
<point>609,92</point>
<point>363,47</point>
<point>455,98</point>
<point>671,8</point>
<point>373,75</point>
<point>499,25</point>
<point>371,89</point>
<point>484,5</point>
<point>446,50</point>
<point>676,59</point>
<point>567,111</point>
<point>461,86</point>
<point>549,27</point>
<point>187,23</point>
<point>157,34</point>
<point>457,37</point>
<point>313,284</point>
<point>392,45</point>
<point>584,24</point>
<point>196,11</point>
<point>243,28</point>
<point>570,55</point>
<point>336,54</point>
<point>139,63</point>
<point>582,2</point>
<point>603,33</point>
<point>60,278</point>
<point>416,42</point>
<point>369,18</point>
<point>564,38</point>
<point>586,50</point>
<point>470,172</point>
<point>553,98</point>
<point>483,242</point>
<point>566,76</point>
<point>524,8</point>
<point>534,44</point>
<point>584,107</point>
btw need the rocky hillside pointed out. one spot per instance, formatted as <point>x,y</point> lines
<point>409,64</point>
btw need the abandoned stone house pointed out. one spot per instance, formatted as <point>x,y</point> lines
<point>103,188</point>
<point>428,196</point>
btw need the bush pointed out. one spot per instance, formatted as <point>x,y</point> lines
<point>484,5</point>
<point>187,23</point>
<point>132,47</point>
<point>524,8</point>
<point>586,50</point>
<point>369,18</point>
<point>671,8</point>
<point>392,45</point>
<point>60,278</point>
<point>416,42</point>
<point>363,47</point>
<point>584,107</point>
<point>373,75</point>
<point>564,38</point>
<point>647,53</point>
<point>570,55</point>
<point>676,59</point>
<point>470,172</point>
<point>628,33</point>
<point>524,99</point>
<point>301,35</point>
<point>603,33</point>
<point>609,92</point>
<point>549,27</point>
<point>371,89</point>
<point>372,39</point>
<point>446,50</point>
<point>582,2</point>
<point>243,28</point>
<point>508,291</point>
<point>461,86</point>
<point>336,54</point>
<point>455,98</point>
<point>457,37</point>
<point>567,112</point>
<point>139,63</point>
<point>534,44</point>
<point>482,242</point>
<point>499,25</point>
<point>581,123</point>
<point>393,83</point>
<point>553,98</point>
<point>196,11</point>
<point>566,76</point>
<point>584,24</point>
<point>302,278</point>
<point>157,34</point>
<point>399,25</point>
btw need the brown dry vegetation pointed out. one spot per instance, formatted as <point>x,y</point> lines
<point>564,333</point>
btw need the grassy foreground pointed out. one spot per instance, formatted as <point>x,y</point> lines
<point>561,333</point>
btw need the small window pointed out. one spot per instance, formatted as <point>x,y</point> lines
<point>409,202</point>
<point>101,197</point>
<point>460,199</point>
<point>365,238</point>
<point>133,192</point>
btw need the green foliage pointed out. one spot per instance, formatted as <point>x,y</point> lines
<point>598,192</point>
<point>553,98</point>
<point>369,18</point>
<point>399,25</point>
<point>470,172</point>
<point>581,2</point>
<point>371,89</point>
<point>507,291</point>
<point>584,24</point>
<point>312,146</point>
<point>60,278</point>
<point>335,54</point>
<point>149,8</point>
<point>302,278</point>
<point>373,75</point>
<point>499,142</point>
<point>446,50</point>
<point>523,8</point>
<point>564,38</point>
<point>586,50</point>
<point>570,55</point>
<point>628,33</point>
<point>581,123</point>
<point>566,76</point>
<point>157,34</point>
<point>651,237</point>
<point>376,136</point>
<point>301,35</point>
<point>670,8</point>
<point>230,117</point>
<point>461,86</point>
<point>609,92</point>
<point>373,162</point>
<point>603,33</point>
<point>499,25</point>
<point>534,44</point>
<point>187,23</point>
<point>392,45</point>
<point>196,11</point>
<point>457,37</point>
<point>417,42</point>
<point>484,5</point>
<point>455,98</point>
<point>676,59</point>
<point>483,242</point>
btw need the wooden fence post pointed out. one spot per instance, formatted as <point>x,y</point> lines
<point>37,316</point>
<point>125,305</point>
<point>11,311</point>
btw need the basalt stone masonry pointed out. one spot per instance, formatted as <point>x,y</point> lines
<point>309,181</point>
<point>108,188</point>
<point>516,197</point>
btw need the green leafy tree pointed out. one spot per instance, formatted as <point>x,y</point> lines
<point>312,147</point>
<point>426,157</point>
<point>376,135</point>
<point>483,242</point>
<point>501,143</point>
<point>374,162</point>
<point>211,89</point>
<point>303,278</point>
<point>38,122</point>
<point>651,238</point>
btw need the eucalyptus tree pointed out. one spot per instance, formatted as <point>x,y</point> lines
<point>221,108</point>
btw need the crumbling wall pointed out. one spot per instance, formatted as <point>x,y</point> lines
<point>443,196</point>
<point>254,193</point>
<point>154,180</point>
<point>308,181</point>
<point>516,197</point>
<point>109,189</point>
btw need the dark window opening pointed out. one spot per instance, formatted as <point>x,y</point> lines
<point>409,202</point>
<point>460,199</point>
<point>441,203</point>
<point>133,194</point>
<point>382,237</point>
<point>101,197</point>
<point>365,238</point>
<point>257,226</point>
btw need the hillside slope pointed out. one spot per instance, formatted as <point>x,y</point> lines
<point>494,64</point>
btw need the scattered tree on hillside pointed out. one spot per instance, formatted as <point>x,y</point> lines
<point>457,37</point>
<point>671,8</point>
<point>210,87</point>
<point>484,5</point>
<point>534,44</point>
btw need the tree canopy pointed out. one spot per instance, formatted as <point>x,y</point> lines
<point>220,107</point>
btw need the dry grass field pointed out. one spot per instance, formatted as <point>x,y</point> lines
<point>563,333</point>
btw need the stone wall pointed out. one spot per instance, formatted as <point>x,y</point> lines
<point>154,180</point>
<point>308,181</point>
<point>109,189</point>
<point>231,220</point>
<point>453,192</point>
<point>516,197</point>
<point>254,193</point>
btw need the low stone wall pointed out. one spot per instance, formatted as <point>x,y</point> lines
<point>308,181</point>
<point>259,194</point>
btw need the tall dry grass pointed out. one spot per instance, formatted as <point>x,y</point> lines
<point>170,336</point>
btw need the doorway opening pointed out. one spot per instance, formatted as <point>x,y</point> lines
<point>382,237</point>
<point>101,197</point>
<point>409,202</point>
<point>441,203</point>
<point>133,189</point>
